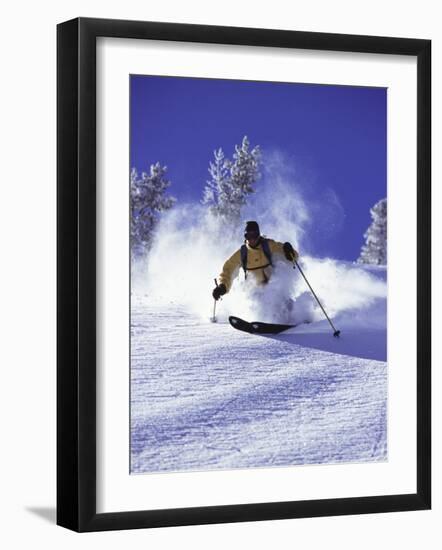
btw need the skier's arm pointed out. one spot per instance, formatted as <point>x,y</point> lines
<point>285,249</point>
<point>229,270</point>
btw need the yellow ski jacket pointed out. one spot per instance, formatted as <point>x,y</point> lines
<point>257,263</point>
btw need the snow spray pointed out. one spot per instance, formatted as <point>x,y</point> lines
<point>190,248</point>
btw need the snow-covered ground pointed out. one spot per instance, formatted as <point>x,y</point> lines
<point>205,396</point>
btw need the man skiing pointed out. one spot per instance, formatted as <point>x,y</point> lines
<point>255,256</point>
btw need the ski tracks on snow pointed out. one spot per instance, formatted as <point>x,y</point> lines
<point>204,396</point>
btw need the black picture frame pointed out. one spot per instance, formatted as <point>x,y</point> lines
<point>77,287</point>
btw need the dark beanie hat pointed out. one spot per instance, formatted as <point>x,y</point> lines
<point>252,226</point>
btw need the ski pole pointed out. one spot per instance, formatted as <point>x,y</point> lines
<point>213,319</point>
<point>336,333</point>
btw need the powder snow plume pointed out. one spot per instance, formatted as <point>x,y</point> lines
<point>190,249</point>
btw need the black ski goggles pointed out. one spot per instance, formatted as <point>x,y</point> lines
<point>251,235</point>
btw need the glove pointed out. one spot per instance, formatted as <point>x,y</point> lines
<point>219,291</point>
<point>289,252</point>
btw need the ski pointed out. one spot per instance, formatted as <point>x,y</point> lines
<point>256,327</point>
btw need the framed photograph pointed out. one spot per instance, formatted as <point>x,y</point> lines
<point>243,274</point>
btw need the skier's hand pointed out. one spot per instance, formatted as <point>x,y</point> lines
<point>289,252</point>
<point>219,291</point>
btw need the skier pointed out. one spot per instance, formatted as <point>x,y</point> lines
<point>255,257</point>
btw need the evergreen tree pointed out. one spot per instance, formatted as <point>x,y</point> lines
<point>217,190</point>
<point>231,182</point>
<point>374,251</point>
<point>147,200</point>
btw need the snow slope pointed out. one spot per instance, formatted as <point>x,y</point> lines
<point>205,396</point>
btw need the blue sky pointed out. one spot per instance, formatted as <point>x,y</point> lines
<point>333,136</point>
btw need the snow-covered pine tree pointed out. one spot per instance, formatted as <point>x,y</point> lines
<point>217,189</point>
<point>231,182</point>
<point>147,200</point>
<point>244,172</point>
<point>374,251</point>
